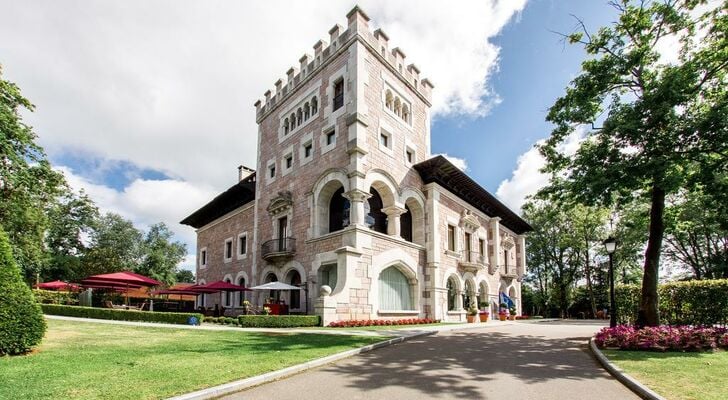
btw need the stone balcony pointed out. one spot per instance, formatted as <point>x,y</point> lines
<point>278,249</point>
<point>509,271</point>
<point>472,261</point>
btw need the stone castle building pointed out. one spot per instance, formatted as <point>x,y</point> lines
<point>347,194</point>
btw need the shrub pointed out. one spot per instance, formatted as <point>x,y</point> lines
<point>22,325</point>
<point>55,297</point>
<point>382,322</point>
<point>120,315</point>
<point>278,321</point>
<point>680,303</point>
<point>663,338</point>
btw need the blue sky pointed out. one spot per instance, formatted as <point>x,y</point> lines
<point>148,106</point>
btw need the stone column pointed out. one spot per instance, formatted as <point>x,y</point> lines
<point>393,214</point>
<point>357,197</point>
<point>325,306</point>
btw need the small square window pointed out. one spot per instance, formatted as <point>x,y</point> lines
<point>272,170</point>
<point>384,139</point>
<point>308,150</point>
<point>410,156</point>
<point>289,161</point>
<point>330,138</point>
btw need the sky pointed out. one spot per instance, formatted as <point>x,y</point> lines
<point>148,105</point>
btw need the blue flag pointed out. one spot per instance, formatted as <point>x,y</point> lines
<point>505,299</point>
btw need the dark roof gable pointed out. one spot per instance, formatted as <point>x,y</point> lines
<point>441,171</point>
<point>236,196</point>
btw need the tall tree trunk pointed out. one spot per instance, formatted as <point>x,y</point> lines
<point>589,287</point>
<point>649,312</point>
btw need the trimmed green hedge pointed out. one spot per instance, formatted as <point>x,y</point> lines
<point>119,315</point>
<point>278,321</point>
<point>681,303</point>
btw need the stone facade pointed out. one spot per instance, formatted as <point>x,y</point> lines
<point>340,142</point>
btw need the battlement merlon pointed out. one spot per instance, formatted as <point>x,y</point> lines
<point>358,27</point>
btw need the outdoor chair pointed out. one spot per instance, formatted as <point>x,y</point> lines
<point>140,308</point>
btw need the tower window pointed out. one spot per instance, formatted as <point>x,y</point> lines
<point>451,238</point>
<point>272,171</point>
<point>289,161</point>
<point>384,139</point>
<point>338,94</point>
<point>330,138</point>
<point>308,150</point>
<point>410,155</point>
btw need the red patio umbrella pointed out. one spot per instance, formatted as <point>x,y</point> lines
<point>219,286</point>
<point>57,285</point>
<point>124,279</point>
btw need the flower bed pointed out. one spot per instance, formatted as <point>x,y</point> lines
<point>382,322</point>
<point>662,338</point>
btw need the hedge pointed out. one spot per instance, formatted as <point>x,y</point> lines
<point>703,302</point>
<point>278,321</point>
<point>120,315</point>
<point>22,325</point>
<point>55,297</point>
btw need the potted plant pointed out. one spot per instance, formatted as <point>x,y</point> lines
<point>512,315</point>
<point>472,312</point>
<point>503,312</point>
<point>484,314</point>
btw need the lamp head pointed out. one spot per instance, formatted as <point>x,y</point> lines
<point>610,244</point>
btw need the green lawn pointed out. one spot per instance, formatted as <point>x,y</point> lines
<point>86,360</point>
<point>677,376</point>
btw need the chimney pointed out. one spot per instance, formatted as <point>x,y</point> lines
<point>244,172</point>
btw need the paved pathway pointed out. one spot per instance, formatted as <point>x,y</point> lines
<point>497,361</point>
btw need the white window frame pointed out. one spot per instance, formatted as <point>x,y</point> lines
<point>325,148</point>
<point>386,132</point>
<point>397,91</point>
<point>409,147</point>
<point>200,258</point>
<point>224,250</point>
<point>243,255</point>
<point>306,140</point>
<point>329,110</point>
<point>294,104</point>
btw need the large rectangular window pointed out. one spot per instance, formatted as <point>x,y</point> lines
<point>451,238</point>
<point>338,94</point>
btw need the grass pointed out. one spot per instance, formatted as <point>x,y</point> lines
<point>87,360</point>
<point>677,376</point>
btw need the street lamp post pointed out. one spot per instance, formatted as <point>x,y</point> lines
<point>610,245</point>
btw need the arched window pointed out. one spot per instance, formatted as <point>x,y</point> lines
<point>286,126</point>
<point>452,294</point>
<point>398,107</point>
<point>294,278</point>
<point>299,117</point>
<point>241,294</point>
<point>482,294</point>
<point>314,106</point>
<point>271,277</point>
<point>293,121</point>
<point>405,113</point>
<point>228,296</point>
<point>306,112</point>
<point>389,100</point>
<point>395,291</point>
<point>338,211</point>
<point>377,218</point>
<point>405,224</point>
<point>469,295</point>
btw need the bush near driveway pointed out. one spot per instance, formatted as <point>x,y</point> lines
<point>278,321</point>
<point>21,321</point>
<point>681,303</point>
<point>662,338</point>
<point>382,322</point>
<point>120,315</point>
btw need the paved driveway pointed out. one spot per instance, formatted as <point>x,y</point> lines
<point>518,361</point>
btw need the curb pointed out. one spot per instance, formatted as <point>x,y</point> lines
<point>633,384</point>
<point>240,385</point>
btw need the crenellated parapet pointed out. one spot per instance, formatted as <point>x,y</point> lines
<point>357,29</point>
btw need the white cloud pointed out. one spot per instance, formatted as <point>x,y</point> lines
<point>527,177</point>
<point>461,163</point>
<point>146,202</point>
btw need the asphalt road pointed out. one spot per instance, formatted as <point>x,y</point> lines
<point>514,362</point>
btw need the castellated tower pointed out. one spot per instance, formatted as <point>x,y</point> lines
<point>345,124</point>
<point>347,203</point>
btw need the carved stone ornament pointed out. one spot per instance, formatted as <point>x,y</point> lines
<point>281,203</point>
<point>469,221</point>
<point>507,242</point>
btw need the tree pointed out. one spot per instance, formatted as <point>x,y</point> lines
<point>71,219</point>
<point>28,185</point>
<point>161,255</point>
<point>115,245</point>
<point>21,320</point>
<point>665,125</point>
<point>185,276</point>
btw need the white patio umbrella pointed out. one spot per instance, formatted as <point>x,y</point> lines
<point>276,286</point>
